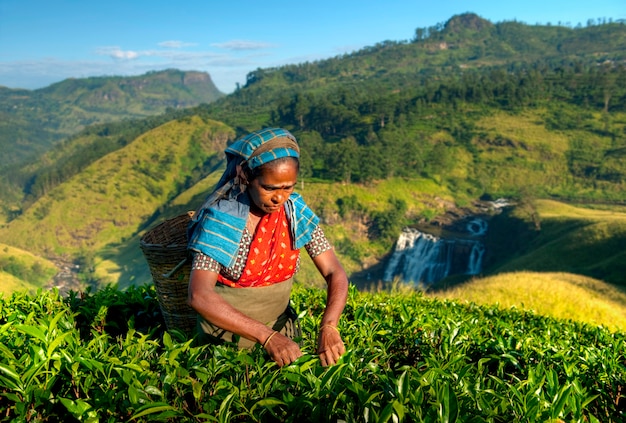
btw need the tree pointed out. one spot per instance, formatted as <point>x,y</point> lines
<point>344,160</point>
<point>386,225</point>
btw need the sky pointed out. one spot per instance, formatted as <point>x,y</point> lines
<point>47,41</point>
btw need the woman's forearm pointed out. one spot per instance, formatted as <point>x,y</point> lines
<point>337,286</point>
<point>336,297</point>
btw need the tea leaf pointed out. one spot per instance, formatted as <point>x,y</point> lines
<point>152,409</point>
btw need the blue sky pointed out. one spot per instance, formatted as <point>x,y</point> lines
<point>46,41</point>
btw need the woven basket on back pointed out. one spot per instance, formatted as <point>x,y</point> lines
<point>165,250</point>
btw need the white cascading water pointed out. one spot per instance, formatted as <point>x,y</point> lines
<point>420,257</point>
<point>475,263</point>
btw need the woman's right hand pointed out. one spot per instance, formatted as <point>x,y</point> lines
<point>282,349</point>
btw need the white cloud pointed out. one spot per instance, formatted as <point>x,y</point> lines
<point>175,55</point>
<point>118,53</point>
<point>243,45</point>
<point>175,44</point>
<point>121,54</point>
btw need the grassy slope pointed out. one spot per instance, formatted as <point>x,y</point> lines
<point>578,240</point>
<point>559,295</point>
<point>520,152</point>
<point>548,277</point>
<point>11,284</point>
<point>39,270</point>
<point>124,264</point>
<point>519,149</point>
<point>112,198</point>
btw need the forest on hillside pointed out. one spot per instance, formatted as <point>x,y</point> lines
<point>356,125</point>
<point>355,136</point>
<point>391,136</point>
<point>412,109</point>
<point>33,121</point>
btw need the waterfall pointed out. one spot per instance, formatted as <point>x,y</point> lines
<point>420,257</point>
<point>475,262</point>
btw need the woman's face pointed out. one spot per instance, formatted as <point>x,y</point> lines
<point>273,186</point>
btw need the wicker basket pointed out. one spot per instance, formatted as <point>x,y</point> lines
<point>165,250</point>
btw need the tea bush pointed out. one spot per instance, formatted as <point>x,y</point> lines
<point>105,357</point>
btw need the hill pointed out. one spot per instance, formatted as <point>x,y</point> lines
<point>112,198</point>
<point>416,108</point>
<point>568,296</point>
<point>539,109</point>
<point>391,135</point>
<point>22,271</point>
<point>552,236</point>
<point>32,121</point>
<point>437,63</point>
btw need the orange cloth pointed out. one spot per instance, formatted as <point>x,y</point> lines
<point>271,258</point>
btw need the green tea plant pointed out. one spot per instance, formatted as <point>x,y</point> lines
<point>409,359</point>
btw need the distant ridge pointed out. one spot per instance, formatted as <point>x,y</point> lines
<point>32,121</point>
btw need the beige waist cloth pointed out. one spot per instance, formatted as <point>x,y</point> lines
<point>267,304</point>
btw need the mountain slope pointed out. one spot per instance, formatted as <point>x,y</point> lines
<point>392,69</point>
<point>436,82</point>
<point>415,127</point>
<point>32,121</point>
<point>572,239</point>
<point>108,201</point>
<point>569,296</point>
<point>22,271</point>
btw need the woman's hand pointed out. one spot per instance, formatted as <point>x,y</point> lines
<point>282,349</point>
<point>329,345</point>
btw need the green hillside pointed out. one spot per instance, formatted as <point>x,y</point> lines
<point>548,102</point>
<point>391,135</point>
<point>463,58</point>
<point>22,271</point>
<point>558,295</point>
<point>558,237</point>
<point>31,121</point>
<point>539,110</point>
<point>113,197</point>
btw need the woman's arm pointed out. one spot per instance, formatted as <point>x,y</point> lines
<point>212,307</point>
<point>330,345</point>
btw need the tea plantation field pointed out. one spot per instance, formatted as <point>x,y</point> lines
<point>105,357</point>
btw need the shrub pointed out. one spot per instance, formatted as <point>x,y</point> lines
<point>408,358</point>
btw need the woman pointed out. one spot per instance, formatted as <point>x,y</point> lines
<point>245,240</point>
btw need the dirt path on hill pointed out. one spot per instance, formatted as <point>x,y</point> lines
<point>66,279</point>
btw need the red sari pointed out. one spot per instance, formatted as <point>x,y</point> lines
<point>271,258</point>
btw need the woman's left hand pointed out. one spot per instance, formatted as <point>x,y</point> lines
<point>329,345</point>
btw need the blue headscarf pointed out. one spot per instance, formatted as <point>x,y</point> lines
<point>217,227</point>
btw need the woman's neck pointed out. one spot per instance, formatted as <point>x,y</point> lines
<point>253,221</point>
